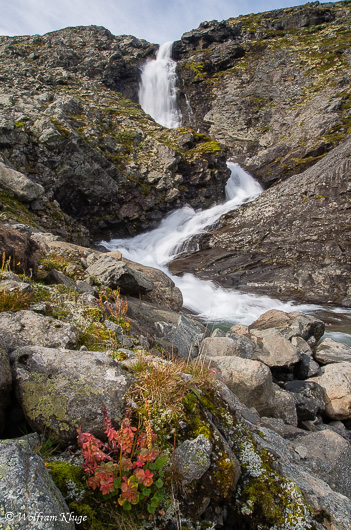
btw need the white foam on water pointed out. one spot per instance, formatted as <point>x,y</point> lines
<point>161,245</point>
<point>157,93</point>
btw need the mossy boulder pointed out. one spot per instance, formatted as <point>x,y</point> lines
<point>28,493</point>
<point>61,390</point>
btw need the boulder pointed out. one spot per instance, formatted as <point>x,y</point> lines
<point>336,380</point>
<point>5,384</point>
<point>230,345</point>
<point>307,367</point>
<point>27,490</point>
<point>330,351</point>
<point>61,390</point>
<point>284,406</point>
<point>250,380</point>
<point>274,349</point>
<point>21,186</point>
<point>16,286</point>
<point>331,507</point>
<point>309,397</point>
<point>328,456</point>
<point>193,458</point>
<point>112,273</point>
<point>290,324</point>
<point>278,425</point>
<point>55,277</point>
<point>164,293</point>
<point>30,328</point>
<point>185,336</point>
<point>20,249</point>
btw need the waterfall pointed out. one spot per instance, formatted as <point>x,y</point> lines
<point>157,93</point>
<point>158,247</point>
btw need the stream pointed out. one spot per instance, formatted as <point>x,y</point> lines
<point>212,303</point>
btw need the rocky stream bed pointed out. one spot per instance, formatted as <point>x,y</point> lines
<point>180,425</point>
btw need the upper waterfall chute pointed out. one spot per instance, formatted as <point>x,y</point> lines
<point>158,92</point>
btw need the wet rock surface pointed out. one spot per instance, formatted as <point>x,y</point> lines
<point>246,251</point>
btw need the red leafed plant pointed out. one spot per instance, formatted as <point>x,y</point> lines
<point>129,464</point>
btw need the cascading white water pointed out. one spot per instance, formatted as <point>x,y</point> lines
<point>157,93</point>
<point>158,247</point>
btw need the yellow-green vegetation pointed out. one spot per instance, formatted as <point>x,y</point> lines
<point>197,68</point>
<point>14,300</point>
<point>14,210</point>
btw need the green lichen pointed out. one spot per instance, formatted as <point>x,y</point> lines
<point>44,402</point>
<point>4,469</point>
<point>263,496</point>
<point>40,401</point>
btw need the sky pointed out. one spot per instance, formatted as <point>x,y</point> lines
<point>154,20</point>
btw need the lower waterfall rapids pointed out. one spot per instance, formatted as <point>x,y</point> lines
<point>161,245</point>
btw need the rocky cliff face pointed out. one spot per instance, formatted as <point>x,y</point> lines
<point>292,242</point>
<point>274,87</point>
<point>66,125</point>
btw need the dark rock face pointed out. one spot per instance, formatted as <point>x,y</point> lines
<point>22,251</point>
<point>293,241</point>
<point>66,125</point>
<point>273,87</point>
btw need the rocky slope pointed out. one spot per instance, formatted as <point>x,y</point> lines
<point>293,241</point>
<point>261,439</point>
<point>274,87</point>
<point>65,125</point>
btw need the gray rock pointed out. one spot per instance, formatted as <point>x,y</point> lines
<point>330,351</point>
<point>83,287</point>
<point>309,397</point>
<point>251,381</point>
<point>193,458</point>
<point>5,384</point>
<point>274,349</point>
<point>217,332</point>
<point>112,273</point>
<point>164,293</point>
<point>328,456</point>
<point>290,324</point>
<point>112,326</point>
<point>30,328</point>
<point>317,492</point>
<point>289,464</point>
<point>284,406</point>
<point>239,329</point>
<point>307,367</point>
<point>278,425</point>
<point>59,278</point>
<point>185,336</point>
<point>230,345</point>
<point>126,342</point>
<point>14,285</point>
<point>21,186</point>
<point>61,390</point>
<point>336,380</point>
<point>38,307</point>
<point>27,490</point>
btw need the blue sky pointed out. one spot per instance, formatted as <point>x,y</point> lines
<point>154,20</point>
